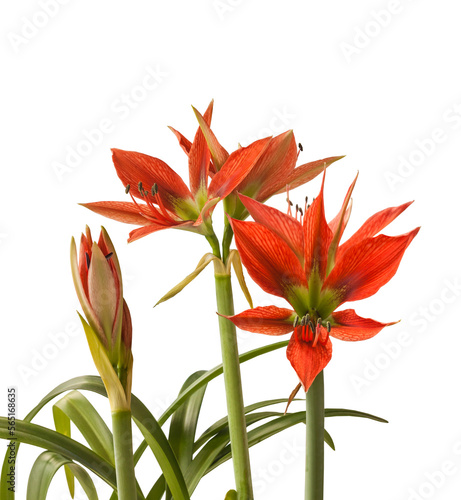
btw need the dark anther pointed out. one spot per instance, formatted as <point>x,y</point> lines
<point>88,260</point>
<point>127,189</point>
<point>300,210</point>
<point>154,190</point>
<point>300,146</point>
<point>328,327</point>
<point>290,202</point>
<point>109,255</point>
<point>295,322</point>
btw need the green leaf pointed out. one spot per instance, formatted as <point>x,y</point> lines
<point>213,373</point>
<point>62,425</point>
<point>184,425</point>
<point>89,382</point>
<point>263,432</point>
<point>222,423</point>
<point>140,414</point>
<point>75,407</point>
<point>205,458</point>
<point>340,412</point>
<point>44,469</point>
<point>161,448</point>
<point>328,439</point>
<point>53,441</point>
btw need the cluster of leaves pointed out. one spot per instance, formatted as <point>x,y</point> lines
<point>183,457</point>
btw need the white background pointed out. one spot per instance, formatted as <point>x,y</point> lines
<point>371,80</point>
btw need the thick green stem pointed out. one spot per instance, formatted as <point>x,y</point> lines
<point>233,385</point>
<point>123,448</point>
<point>315,416</point>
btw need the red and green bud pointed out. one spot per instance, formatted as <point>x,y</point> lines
<point>98,283</point>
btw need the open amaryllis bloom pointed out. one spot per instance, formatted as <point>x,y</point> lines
<point>273,171</point>
<point>300,259</point>
<point>161,199</point>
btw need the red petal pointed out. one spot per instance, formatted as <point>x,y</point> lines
<point>270,320</point>
<point>317,236</point>
<point>199,157</point>
<point>273,167</point>
<point>118,210</point>
<point>218,153</point>
<point>236,168</point>
<point>347,325</point>
<point>133,167</point>
<point>86,242</point>
<point>372,226</point>
<point>367,266</point>
<point>305,173</point>
<point>268,259</point>
<point>339,225</point>
<point>285,226</point>
<point>183,142</point>
<point>136,234</point>
<point>308,361</point>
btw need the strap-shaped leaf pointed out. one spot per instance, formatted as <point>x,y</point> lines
<point>222,423</point>
<point>53,441</point>
<point>329,440</point>
<point>341,412</point>
<point>184,425</point>
<point>44,469</point>
<point>75,407</point>
<point>161,449</point>
<point>213,373</point>
<point>205,458</point>
<point>203,262</point>
<point>265,431</point>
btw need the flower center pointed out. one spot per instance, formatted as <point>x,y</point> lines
<point>157,211</point>
<point>307,330</point>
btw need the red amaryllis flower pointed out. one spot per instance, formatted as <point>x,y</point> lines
<point>300,259</point>
<point>161,199</point>
<point>273,171</point>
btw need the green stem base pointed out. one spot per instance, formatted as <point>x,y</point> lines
<point>123,448</point>
<point>315,447</point>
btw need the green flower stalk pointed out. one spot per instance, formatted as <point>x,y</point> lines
<point>98,282</point>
